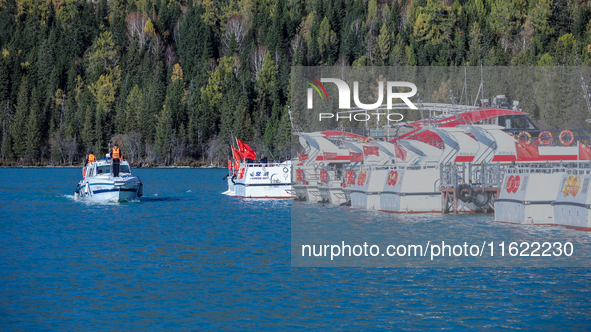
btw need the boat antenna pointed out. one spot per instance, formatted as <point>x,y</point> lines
<point>481,87</point>
<point>586,96</point>
<point>464,88</point>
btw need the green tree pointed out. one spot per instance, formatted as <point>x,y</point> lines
<point>327,42</point>
<point>546,60</point>
<point>133,110</point>
<point>164,134</point>
<point>384,44</point>
<point>33,137</point>
<point>18,130</point>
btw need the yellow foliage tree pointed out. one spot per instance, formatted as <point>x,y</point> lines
<point>105,88</point>
<point>177,73</point>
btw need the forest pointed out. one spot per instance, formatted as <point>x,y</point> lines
<point>175,82</point>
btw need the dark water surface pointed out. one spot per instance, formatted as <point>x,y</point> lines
<point>188,258</point>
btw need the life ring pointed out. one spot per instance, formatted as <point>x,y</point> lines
<point>323,175</point>
<point>236,164</point>
<point>285,170</point>
<point>561,137</point>
<point>299,175</point>
<point>510,184</point>
<point>516,183</point>
<point>525,136</point>
<point>230,164</point>
<point>362,178</point>
<point>241,173</point>
<point>575,185</point>
<point>84,173</point>
<point>393,178</point>
<point>352,177</point>
<point>566,189</point>
<point>545,138</point>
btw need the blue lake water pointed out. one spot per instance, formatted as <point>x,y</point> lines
<point>188,258</point>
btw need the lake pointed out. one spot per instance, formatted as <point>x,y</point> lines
<point>188,258</point>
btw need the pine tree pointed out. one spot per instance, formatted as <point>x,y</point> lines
<point>33,138</point>
<point>164,133</point>
<point>133,111</point>
<point>18,130</point>
<point>6,147</point>
<point>87,134</point>
<point>384,44</point>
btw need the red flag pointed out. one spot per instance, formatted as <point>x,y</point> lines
<point>367,150</point>
<point>246,151</point>
<point>236,154</point>
<point>250,155</point>
<point>243,147</point>
<point>584,152</point>
<point>354,156</point>
<point>302,156</point>
<point>400,152</point>
<point>526,151</point>
<point>330,156</point>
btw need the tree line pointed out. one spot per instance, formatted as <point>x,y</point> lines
<point>177,81</point>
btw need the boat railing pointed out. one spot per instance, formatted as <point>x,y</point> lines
<point>267,165</point>
<point>575,168</point>
<point>551,137</point>
<point>486,175</point>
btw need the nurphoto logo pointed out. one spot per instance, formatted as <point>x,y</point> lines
<point>344,92</point>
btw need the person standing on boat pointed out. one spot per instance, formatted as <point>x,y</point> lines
<point>116,157</point>
<point>263,159</point>
<point>90,159</point>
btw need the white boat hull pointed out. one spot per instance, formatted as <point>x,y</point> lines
<point>262,181</point>
<point>415,191</point>
<point>109,192</point>
<point>99,186</point>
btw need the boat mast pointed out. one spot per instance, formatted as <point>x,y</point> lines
<point>586,96</point>
<point>465,88</point>
<point>480,88</point>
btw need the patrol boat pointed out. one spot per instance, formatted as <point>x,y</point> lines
<point>99,184</point>
<point>260,180</point>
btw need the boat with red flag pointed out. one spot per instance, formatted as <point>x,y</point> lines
<point>249,178</point>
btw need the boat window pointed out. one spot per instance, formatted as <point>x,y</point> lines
<point>104,169</point>
<point>124,169</point>
<point>515,123</point>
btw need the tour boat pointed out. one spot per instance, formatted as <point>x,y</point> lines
<point>326,151</point>
<point>99,185</point>
<point>260,180</point>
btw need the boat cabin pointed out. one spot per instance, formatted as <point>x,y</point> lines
<point>104,167</point>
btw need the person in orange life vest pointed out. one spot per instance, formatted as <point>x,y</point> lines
<point>90,158</point>
<point>116,156</point>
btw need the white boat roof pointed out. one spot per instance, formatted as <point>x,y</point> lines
<point>459,147</point>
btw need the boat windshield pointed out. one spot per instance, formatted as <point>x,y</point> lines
<point>103,170</point>
<point>107,169</point>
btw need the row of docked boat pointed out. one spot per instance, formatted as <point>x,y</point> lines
<point>474,160</point>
